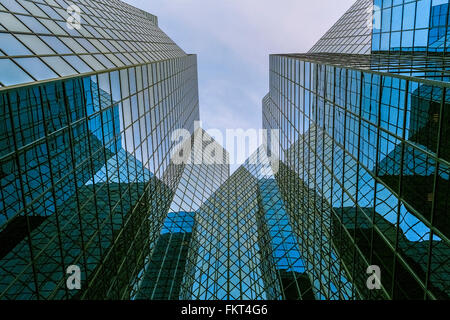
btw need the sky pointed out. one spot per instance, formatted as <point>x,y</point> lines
<point>233,40</point>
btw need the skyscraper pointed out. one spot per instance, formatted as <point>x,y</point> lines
<point>364,150</point>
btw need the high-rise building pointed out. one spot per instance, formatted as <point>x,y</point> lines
<point>86,116</point>
<point>364,172</point>
<point>243,246</point>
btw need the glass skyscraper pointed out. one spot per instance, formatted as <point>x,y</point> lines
<point>90,172</point>
<point>364,150</point>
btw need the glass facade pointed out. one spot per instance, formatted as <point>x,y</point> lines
<point>412,26</point>
<point>86,172</point>
<point>38,44</point>
<point>351,34</point>
<point>243,246</point>
<point>364,155</point>
<point>199,180</point>
<point>86,159</point>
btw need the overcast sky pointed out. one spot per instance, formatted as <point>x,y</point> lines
<point>233,40</point>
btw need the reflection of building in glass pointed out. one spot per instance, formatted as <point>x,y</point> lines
<point>364,144</point>
<point>200,178</point>
<point>414,252</point>
<point>163,276</point>
<point>418,25</point>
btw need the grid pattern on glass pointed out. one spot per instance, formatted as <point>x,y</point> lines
<point>368,151</point>
<point>412,26</point>
<point>281,243</point>
<point>420,66</point>
<point>202,176</point>
<point>224,261</point>
<point>352,33</point>
<point>38,44</point>
<point>84,163</point>
<point>309,213</point>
